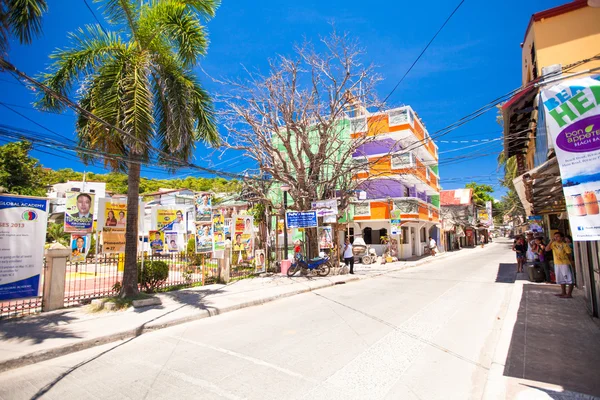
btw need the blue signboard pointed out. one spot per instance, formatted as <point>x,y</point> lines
<point>302,219</point>
<point>534,218</point>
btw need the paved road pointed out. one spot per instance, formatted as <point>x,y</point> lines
<point>423,333</point>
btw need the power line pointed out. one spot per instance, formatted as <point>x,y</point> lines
<point>424,50</point>
<point>95,17</point>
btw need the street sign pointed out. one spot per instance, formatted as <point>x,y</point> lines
<point>325,207</point>
<point>301,219</point>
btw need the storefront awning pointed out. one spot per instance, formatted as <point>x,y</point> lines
<point>540,189</point>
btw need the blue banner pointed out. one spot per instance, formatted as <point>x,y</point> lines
<point>301,219</point>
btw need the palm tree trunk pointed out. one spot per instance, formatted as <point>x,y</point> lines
<point>130,275</point>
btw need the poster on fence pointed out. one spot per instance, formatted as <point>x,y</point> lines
<point>572,118</point>
<point>113,240</point>
<point>173,240</point>
<point>325,237</point>
<point>157,241</point>
<point>243,240</point>
<point>79,214</point>
<point>203,207</point>
<point>115,215</point>
<point>166,218</point>
<point>259,261</point>
<point>204,240</point>
<point>80,246</point>
<point>219,231</point>
<point>22,236</point>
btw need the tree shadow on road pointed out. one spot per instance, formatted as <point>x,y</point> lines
<point>507,273</point>
<point>38,328</point>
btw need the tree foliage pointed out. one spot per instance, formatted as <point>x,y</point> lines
<point>21,19</point>
<point>481,193</point>
<point>20,173</point>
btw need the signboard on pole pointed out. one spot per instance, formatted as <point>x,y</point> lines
<point>325,207</point>
<point>219,231</point>
<point>259,260</point>
<point>395,221</point>
<point>242,239</point>
<point>79,214</point>
<point>572,116</point>
<point>80,246</point>
<point>22,236</point>
<point>325,237</point>
<point>301,219</point>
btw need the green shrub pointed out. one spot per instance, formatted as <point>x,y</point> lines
<point>154,275</point>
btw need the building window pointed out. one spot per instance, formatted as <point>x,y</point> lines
<point>406,191</point>
<point>398,117</point>
<point>402,160</point>
<point>360,163</point>
<point>427,174</point>
<point>429,212</point>
<point>423,235</point>
<point>404,235</point>
<point>358,124</point>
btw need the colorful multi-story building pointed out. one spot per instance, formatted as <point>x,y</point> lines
<point>399,172</point>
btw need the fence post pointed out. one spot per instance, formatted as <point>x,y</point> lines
<point>225,264</point>
<point>54,277</point>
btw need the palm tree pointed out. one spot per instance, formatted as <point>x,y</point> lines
<point>56,233</point>
<point>20,18</point>
<point>139,80</point>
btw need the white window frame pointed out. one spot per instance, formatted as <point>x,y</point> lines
<point>398,116</point>
<point>410,164</point>
<point>427,174</point>
<point>358,124</point>
<point>367,205</point>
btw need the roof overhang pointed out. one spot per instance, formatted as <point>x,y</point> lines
<point>519,115</point>
<point>540,189</point>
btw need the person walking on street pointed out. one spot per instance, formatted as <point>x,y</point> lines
<point>349,255</point>
<point>562,268</point>
<point>520,248</point>
<point>432,246</point>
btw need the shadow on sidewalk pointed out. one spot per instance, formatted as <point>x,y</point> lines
<point>38,328</point>
<point>507,273</point>
<point>555,341</point>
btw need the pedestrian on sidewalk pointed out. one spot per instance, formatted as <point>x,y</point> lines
<point>520,248</point>
<point>562,268</point>
<point>541,252</point>
<point>432,246</point>
<point>349,255</point>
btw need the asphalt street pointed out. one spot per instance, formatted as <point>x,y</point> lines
<point>427,332</point>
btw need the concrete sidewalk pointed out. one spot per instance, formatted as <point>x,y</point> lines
<point>33,339</point>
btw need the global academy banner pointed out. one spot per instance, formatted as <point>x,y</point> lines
<point>22,236</point>
<point>572,115</point>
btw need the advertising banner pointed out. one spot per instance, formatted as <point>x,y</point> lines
<point>488,209</point>
<point>79,214</point>
<point>325,237</point>
<point>157,241</point>
<point>113,240</point>
<point>115,215</point>
<point>203,207</point>
<point>396,222</point>
<point>259,259</point>
<point>301,219</point>
<point>242,240</point>
<point>22,236</point>
<point>169,219</point>
<point>173,242</point>
<point>204,238</point>
<point>572,116</point>
<point>219,231</point>
<point>80,245</point>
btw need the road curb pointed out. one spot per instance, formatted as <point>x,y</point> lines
<point>44,355</point>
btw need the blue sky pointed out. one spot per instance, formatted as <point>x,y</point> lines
<point>475,59</point>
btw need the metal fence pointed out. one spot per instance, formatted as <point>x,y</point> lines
<point>23,307</point>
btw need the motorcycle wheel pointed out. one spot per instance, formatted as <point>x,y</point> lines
<point>293,269</point>
<point>366,260</point>
<point>324,269</point>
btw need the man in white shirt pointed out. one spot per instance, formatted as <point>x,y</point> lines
<point>349,256</point>
<point>432,246</point>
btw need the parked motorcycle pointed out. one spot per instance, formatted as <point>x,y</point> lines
<point>320,265</point>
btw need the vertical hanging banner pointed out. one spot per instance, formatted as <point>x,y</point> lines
<point>242,240</point>
<point>112,222</point>
<point>80,246</point>
<point>572,115</point>
<point>204,238</point>
<point>22,236</point>
<point>219,230</point>
<point>79,214</point>
<point>396,222</point>
<point>173,242</point>
<point>325,237</point>
<point>488,208</point>
<point>157,241</point>
<point>203,207</point>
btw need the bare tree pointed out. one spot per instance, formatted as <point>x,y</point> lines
<point>297,121</point>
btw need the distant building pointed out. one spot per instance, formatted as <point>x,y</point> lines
<point>459,218</point>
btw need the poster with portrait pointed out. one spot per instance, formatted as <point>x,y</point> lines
<point>203,207</point>
<point>166,218</point>
<point>242,240</point>
<point>204,238</point>
<point>325,237</point>
<point>79,213</point>
<point>113,240</point>
<point>157,241</point>
<point>173,242</point>
<point>259,261</point>
<point>115,215</point>
<point>219,231</point>
<point>80,246</point>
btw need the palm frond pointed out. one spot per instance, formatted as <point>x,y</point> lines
<point>121,12</point>
<point>90,49</point>
<point>206,8</point>
<point>25,17</point>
